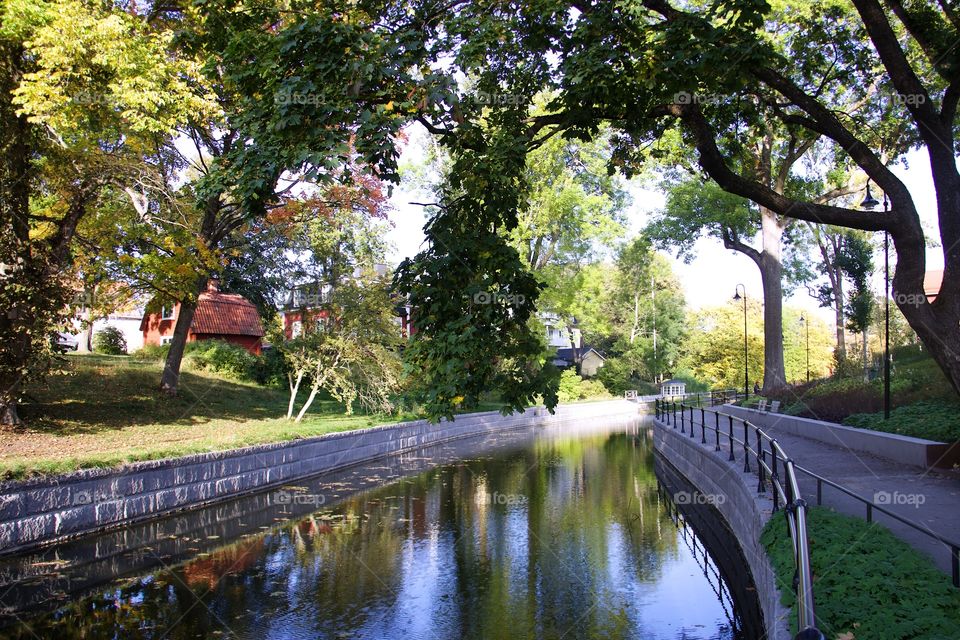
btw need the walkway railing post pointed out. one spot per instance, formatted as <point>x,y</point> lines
<point>774,476</point>
<point>703,426</point>
<point>730,437</point>
<point>746,447</point>
<point>691,421</point>
<point>683,419</point>
<point>760,460</point>
<point>716,430</point>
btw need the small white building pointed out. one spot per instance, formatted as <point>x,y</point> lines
<point>558,335</point>
<point>673,388</point>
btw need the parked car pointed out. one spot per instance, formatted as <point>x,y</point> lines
<point>66,342</point>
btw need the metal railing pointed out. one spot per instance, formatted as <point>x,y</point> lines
<point>952,545</point>
<point>769,457</point>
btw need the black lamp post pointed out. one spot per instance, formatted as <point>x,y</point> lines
<point>736,296</point>
<point>806,326</point>
<point>870,203</point>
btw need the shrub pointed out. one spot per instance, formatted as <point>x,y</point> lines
<point>270,368</point>
<point>867,582</point>
<point>573,387</point>
<point>152,352</point>
<point>932,420</point>
<point>221,357</point>
<point>110,341</point>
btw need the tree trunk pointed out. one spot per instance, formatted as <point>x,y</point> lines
<point>841,332</point>
<point>866,365</point>
<point>8,415</point>
<point>170,380</point>
<point>294,390</point>
<point>306,405</point>
<point>771,274</point>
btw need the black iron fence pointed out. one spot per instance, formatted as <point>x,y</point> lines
<point>769,460</point>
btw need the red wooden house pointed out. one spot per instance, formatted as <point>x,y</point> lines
<point>219,316</point>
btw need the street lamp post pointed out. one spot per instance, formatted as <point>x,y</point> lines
<point>736,296</point>
<point>870,203</point>
<point>806,326</point>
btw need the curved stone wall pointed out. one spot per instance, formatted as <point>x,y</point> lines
<point>45,510</point>
<point>744,510</point>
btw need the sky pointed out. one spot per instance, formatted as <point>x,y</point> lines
<point>710,279</point>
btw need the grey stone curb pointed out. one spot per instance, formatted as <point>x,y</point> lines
<point>745,511</point>
<point>41,511</point>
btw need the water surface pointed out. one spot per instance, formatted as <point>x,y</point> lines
<point>548,533</point>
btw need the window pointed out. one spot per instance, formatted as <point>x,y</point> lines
<point>296,328</point>
<point>167,313</point>
<point>166,340</point>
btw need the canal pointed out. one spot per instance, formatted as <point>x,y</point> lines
<point>559,532</point>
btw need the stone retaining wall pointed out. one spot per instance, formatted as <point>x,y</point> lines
<point>745,512</point>
<point>904,449</point>
<point>44,510</point>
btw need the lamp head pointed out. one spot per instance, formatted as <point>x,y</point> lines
<point>869,202</point>
<point>736,296</point>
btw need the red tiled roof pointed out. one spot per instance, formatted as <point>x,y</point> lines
<point>226,314</point>
<point>931,283</point>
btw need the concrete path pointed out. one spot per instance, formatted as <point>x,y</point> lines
<point>930,498</point>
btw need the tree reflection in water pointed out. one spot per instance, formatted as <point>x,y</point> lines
<point>565,538</point>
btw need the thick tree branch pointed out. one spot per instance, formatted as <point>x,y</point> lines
<point>713,162</point>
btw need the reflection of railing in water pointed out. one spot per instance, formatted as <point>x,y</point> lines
<point>785,492</point>
<point>710,572</point>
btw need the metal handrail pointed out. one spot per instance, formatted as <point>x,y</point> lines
<point>787,494</point>
<point>872,506</point>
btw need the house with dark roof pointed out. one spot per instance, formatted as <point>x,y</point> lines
<point>590,359</point>
<point>219,316</point>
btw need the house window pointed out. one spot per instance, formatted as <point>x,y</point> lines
<point>296,328</point>
<point>166,313</point>
<point>166,339</point>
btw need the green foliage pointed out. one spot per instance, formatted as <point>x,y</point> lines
<point>867,582</point>
<point>618,375</point>
<point>350,350</point>
<point>714,350</point>
<point>218,356</point>
<point>110,341</point>
<point>697,207</point>
<point>572,387</point>
<point>270,368</point>
<point>932,420</point>
<point>473,296</point>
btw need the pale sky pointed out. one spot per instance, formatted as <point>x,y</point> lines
<point>711,277</point>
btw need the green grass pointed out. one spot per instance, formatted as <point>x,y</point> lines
<point>932,419</point>
<point>924,405</point>
<point>106,410</point>
<point>867,582</point>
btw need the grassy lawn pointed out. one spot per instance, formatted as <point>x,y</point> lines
<point>106,411</point>
<point>867,582</point>
<point>924,404</point>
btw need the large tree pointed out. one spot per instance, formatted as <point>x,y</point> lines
<point>85,87</point>
<point>300,95</point>
<point>903,51</point>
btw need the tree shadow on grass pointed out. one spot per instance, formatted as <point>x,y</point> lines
<point>95,396</point>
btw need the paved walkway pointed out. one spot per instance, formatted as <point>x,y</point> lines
<point>930,498</point>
